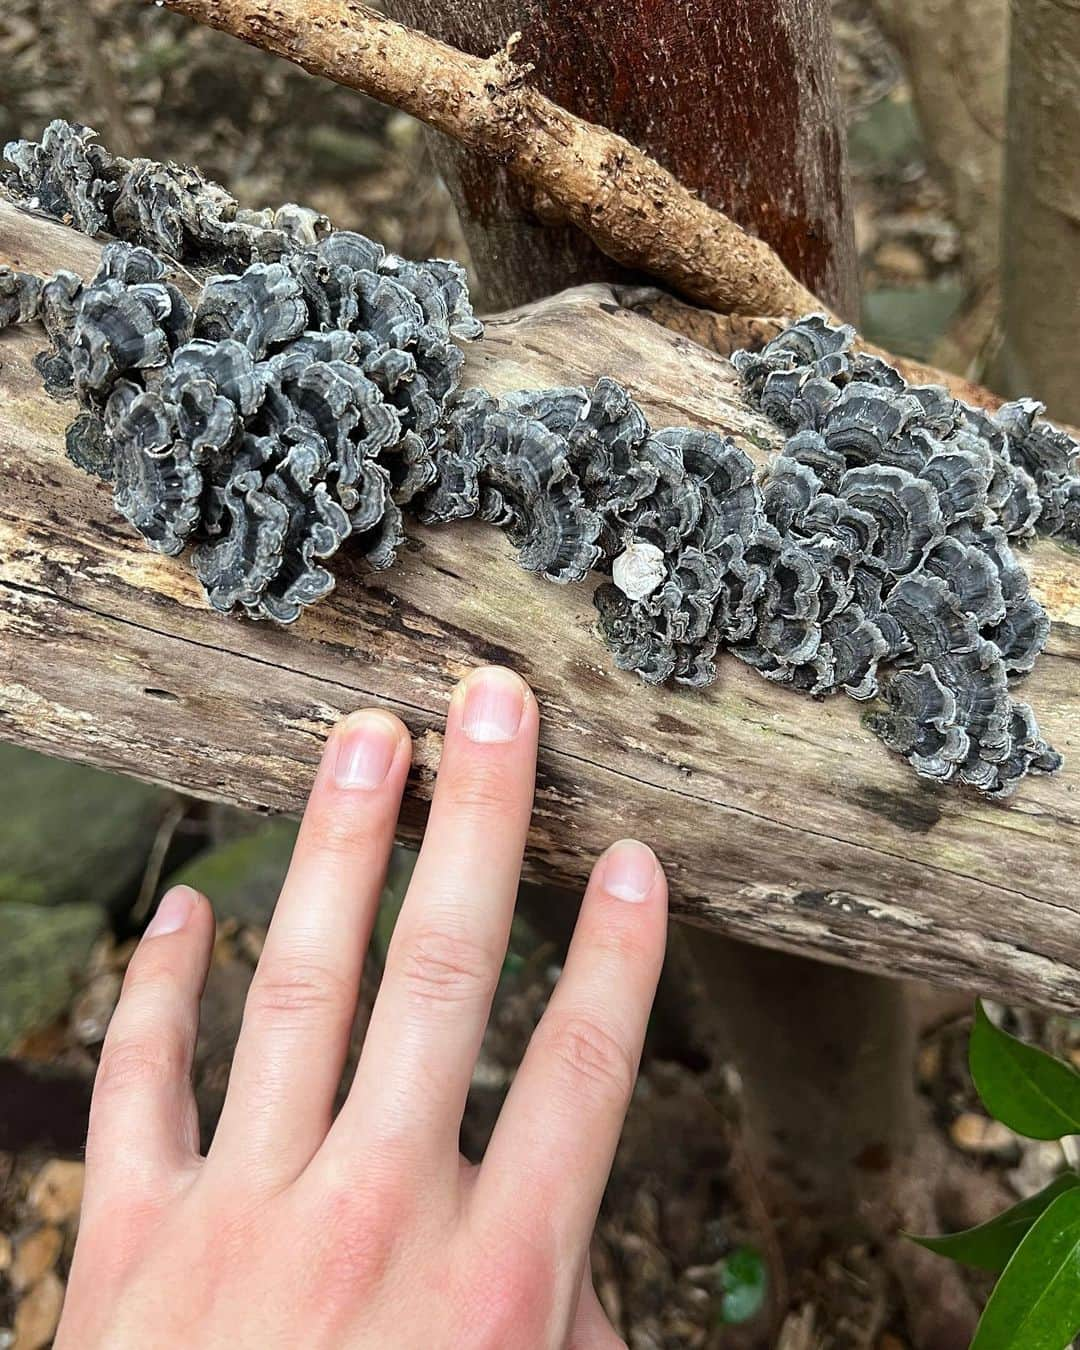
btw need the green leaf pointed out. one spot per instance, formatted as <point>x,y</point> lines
<point>990,1245</point>
<point>1035,1304</point>
<point>1025,1088</point>
<point>743,1281</point>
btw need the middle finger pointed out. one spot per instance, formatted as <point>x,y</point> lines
<point>450,939</point>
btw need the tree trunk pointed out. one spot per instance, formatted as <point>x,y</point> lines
<point>737,98</point>
<point>859,1031</point>
<point>1041,254</point>
<point>956,55</point>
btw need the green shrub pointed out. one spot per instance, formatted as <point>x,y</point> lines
<point>1034,1247</point>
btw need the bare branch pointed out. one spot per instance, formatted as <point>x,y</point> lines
<point>631,208</point>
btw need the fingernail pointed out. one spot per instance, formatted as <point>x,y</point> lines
<point>173,911</point>
<point>366,748</point>
<point>629,870</point>
<point>494,703</point>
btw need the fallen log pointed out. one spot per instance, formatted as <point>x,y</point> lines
<point>782,821</point>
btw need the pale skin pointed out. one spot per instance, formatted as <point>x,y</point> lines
<point>368,1229</point>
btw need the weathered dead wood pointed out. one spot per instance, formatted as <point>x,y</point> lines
<point>725,333</point>
<point>782,821</point>
<point>635,211</point>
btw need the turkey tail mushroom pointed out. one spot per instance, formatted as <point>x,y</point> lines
<point>310,398</point>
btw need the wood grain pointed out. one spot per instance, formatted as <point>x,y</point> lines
<point>781,820</point>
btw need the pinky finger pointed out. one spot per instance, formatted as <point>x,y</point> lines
<point>554,1142</point>
<point>143,1121</point>
<point>591,1329</point>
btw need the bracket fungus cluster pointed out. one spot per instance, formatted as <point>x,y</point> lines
<point>297,403</point>
<point>907,500</point>
<point>310,396</point>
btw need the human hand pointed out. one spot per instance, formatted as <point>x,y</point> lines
<point>370,1229</point>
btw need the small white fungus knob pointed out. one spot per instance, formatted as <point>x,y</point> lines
<point>638,570</point>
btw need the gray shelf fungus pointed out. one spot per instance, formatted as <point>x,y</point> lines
<point>907,500</point>
<point>20,297</point>
<point>310,397</point>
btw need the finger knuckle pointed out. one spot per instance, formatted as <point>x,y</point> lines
<point>509,1298</point>
<point>119,1230</point>
<point>362,1227</point>
<point>594,1061</point>
<point>337,833</point>
<point>438,967</point>
<point>136,1063</point>
<point>481,791</point>
<point>300,991</point>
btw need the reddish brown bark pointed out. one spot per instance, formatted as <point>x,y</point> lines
<point>637,211</point>
<point>735,97</point>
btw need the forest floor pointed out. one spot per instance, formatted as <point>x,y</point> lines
<point>681,1252</point>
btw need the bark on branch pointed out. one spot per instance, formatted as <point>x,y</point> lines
<point>634,210</point>
<point>782,821</point>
